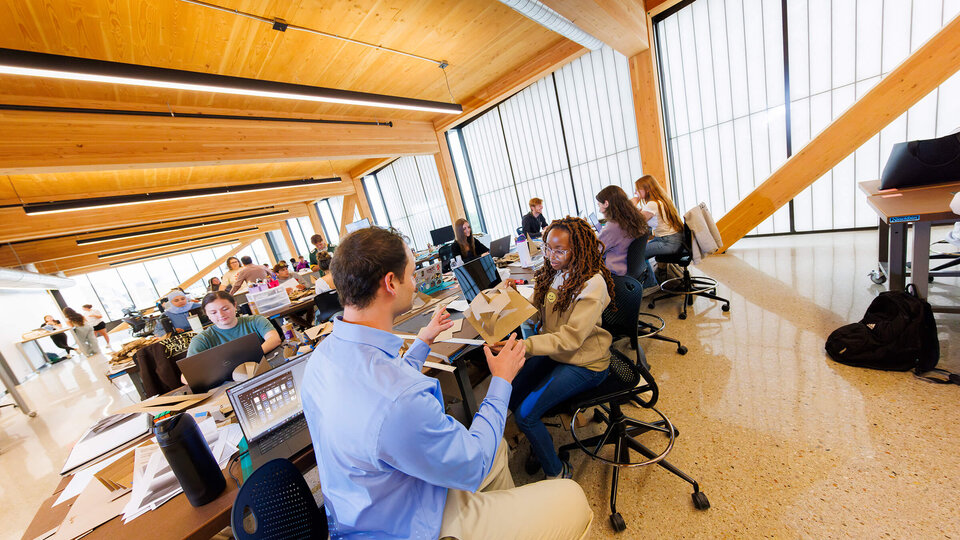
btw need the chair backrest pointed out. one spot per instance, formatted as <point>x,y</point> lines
<point>446,255</point>
<point>519,231</point>
<point>328,305</point>
<point>620,319</point>
<point>275,502</point>
<point>636,259</point>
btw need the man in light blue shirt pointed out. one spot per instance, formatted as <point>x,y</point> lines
<point>392,464</point>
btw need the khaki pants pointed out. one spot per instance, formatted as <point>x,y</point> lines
<point>547,509</point>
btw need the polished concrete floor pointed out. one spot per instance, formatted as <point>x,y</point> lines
<point>784,442</point>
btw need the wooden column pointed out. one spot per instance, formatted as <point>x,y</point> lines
<point>918,75</point>
<point>348,212</point>
<point>647,108</point>
<point>213,266</point>
<point>285,231</point>
<point>269,250</point>
<point>448,180</point>
<point>363,205</point>
<point>315,221</point>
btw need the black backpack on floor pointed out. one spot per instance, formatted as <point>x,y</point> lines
<point>897,333</point>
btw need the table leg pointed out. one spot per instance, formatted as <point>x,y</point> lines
<point>7,379</point>
<point>921,257</point>
<point>466,389</point>
<point>884,251</point>
<point>898,256</point>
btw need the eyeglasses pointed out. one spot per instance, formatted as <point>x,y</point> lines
<point>550,252</point>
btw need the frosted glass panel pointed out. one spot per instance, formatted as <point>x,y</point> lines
<point>409,196</point>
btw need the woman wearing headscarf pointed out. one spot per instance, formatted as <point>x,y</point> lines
<point>179,310</point>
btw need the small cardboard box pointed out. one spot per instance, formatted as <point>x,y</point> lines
<point>495,312</point>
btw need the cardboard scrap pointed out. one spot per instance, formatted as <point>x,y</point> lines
<point>449,332</point>
<point>494,313</point>
<point>119,474</point>
<point>161,404</point>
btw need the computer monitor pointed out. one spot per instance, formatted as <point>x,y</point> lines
<point>213,367</point>
<point>500,247</point>
<point>477,275</point>
<point>442,235</point>
<point>357,225</point>
<point>270,399</point>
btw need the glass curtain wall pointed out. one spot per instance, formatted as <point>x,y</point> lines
<point>722,74</point>
<point>407,195</point>
<point>329,210</point>
<point>561,139</point>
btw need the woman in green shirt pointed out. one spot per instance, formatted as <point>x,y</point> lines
<point>221,308</point>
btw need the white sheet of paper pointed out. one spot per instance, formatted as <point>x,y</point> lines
<point>458,305</point>
<point>93,445</point>
<point>526,291</point>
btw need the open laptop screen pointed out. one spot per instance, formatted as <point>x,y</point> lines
<point>476,275</point>
<point>270,399</point>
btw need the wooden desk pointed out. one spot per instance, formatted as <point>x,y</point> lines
<point>922,207</point>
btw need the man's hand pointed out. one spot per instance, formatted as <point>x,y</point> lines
<point>509,359</point>
<point>438,323</point>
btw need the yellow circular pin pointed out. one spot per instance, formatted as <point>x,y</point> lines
<point>551,297</point>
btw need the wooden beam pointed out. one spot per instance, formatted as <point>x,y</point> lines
<point>215,264</point>
<point>348,212</point>
<point>315,221</point>
<point>918,75</point>
<point>363,205</point>
<point>285,231</point>
<point>548,60</point>
<point>270,255</point>
<point>448,180</point>
<point>647,108</point>
<point>33,251</point>
<point>367,166</point>
<point>44,142</point>
<point>20,226</point>
<point>656,7</point>
<point>621,24</point>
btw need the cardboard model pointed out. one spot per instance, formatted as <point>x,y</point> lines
<point>494,313</point>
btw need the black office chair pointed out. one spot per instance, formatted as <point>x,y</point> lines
<point>445,252</point>
<point>328,305</point>
<point>637,269</point>
<point>519,231</point>
<point>275,502</point>
<point>686,286</point>
<point>627,381</point>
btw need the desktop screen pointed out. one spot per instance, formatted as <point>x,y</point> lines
<point>357,225</point>
<point>477,275</point>
<point>442,235</point>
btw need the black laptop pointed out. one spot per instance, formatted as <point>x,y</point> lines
<point>270,413</point>
<point>477,275</point>
<point>213,367</point>
<point>500,247</point>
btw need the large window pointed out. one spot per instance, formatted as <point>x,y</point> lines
<point>407,195</point>
<point>562,139</point>
<point>329,210</point>
<point>722,71</point>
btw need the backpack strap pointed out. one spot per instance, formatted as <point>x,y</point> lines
<point>951,378</point>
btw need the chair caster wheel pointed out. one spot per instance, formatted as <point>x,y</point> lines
<point>877,277</point>
<point>929,279</point>
<point>682,316</point>
<point>650,305</point>
<point>564,455</point>
<point>532,465</point>
<point>681,350</point>
<point>700,501</point>
<point>616,520</point>
<point>725,307</point>
<point>597,416</point>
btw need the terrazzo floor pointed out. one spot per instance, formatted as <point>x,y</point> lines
<point>784,442</point>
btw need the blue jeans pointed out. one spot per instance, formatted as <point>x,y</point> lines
<point>660,245</point>
<point>541,385</point>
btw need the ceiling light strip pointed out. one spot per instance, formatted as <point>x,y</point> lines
<point>170,244</point>
<point>73,205</point>
<point>138,234</point>
<point>34,64</point>
<point>168,253</point>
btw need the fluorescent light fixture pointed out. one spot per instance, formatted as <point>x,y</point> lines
<point>169,244</point>
<point>168,253</point>
<point>33,64</point>
<point>73,205</point>
<point>138,234</point>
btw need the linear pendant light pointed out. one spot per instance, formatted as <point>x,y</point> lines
<point>138,234</point>
<point>34,64</point>
<point>168,253</point>
<point>171,244</point>
<point>73,205</point>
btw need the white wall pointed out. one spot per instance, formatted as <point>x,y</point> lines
<point>22,310</point>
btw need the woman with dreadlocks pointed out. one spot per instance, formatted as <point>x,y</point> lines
<point>571,352</point>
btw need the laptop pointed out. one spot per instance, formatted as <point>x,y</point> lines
<point>475,276</point>
<point>500,247</point>
<point>213,367</point>
<point>592,218</point>
<point>270,413</point>
<point>428,277</point>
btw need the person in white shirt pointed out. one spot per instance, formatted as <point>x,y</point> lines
<point>324,282</point>
<point>230,277</point>
<point>96,319</point>
<point>668,229</point>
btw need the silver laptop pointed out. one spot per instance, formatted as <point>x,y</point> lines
<point>270,412</point>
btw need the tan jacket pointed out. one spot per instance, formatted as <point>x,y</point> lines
<point>574,336</point>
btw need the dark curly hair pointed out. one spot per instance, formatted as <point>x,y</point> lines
<point>586,259</point>
<point>623,212</point>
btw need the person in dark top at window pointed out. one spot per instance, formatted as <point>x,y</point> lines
<point>533,221</point>
<point>466,247</point>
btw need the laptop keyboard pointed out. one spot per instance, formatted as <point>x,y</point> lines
<point>282,434</point>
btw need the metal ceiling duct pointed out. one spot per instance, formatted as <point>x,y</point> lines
<point>548,18</point>
<point>18,279</point>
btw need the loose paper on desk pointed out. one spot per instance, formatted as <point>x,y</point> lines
<point>458,305</point>
<point>495,312</point>
<point>93,444</point>
<point>94,507</point>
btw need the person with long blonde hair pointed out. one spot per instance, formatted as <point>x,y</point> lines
<point>668,232</point>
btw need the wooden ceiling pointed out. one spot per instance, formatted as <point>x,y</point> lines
<point>49,156</point>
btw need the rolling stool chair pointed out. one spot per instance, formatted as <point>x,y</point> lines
<point>627,381</point>
<point>275,502</point>
<point>686,286</point>
<point>654,324</point>
<point>328,305</point>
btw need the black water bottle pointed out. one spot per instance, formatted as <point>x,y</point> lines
<point>190,458</point>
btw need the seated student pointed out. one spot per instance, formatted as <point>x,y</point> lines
<point>250,273</point>
<point>320,246</point>
<point>466,247</point>
<point>668,231</point>
<point>301,264</point>
<point>624,224</point>
<point>325,282</point>
<point>221,308</point>
<point>391,463</point>
<point>571,353</point>
<point>533,221</point>
<point>230,277</point>
<point>214,284</point>
<point>290,280</point>
<point>179,310</point>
